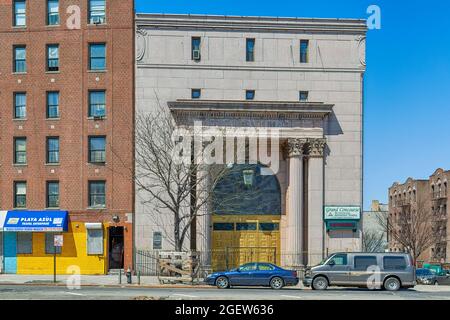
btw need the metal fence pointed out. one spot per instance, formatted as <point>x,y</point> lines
<point>147,262</point>
<point>229,258</point>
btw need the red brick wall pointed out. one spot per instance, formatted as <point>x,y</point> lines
<point>73,81</point>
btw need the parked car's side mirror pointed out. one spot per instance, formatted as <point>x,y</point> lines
<point>332,263</point>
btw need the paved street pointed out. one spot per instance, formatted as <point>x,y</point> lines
<point>26,292</point>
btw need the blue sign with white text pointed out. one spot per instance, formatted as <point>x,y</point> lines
<point>38,221</point>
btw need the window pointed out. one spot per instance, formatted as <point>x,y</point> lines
<point>53,150</point>
<point>304,48</point>
<point>97,11</point>
<point>248,267</point>
<point>20,194</point>
<point>362,263</point>
<point>20,16</point>
<point>195,45</point>
<point>52,105</point>
<point>52,194</point>
<point>157,240</point>
<point>97,149</point>
<point>257,190</point>
<point>97,56</point>
<point>269,226</point>
<point>50,244</point>
<point>94,241</point>
<point>97,104</point>
<point>20,150</point>
<point>53,57</point>
<point>223,226</point>
<point>394,263</point>
<point>339,260</point>
<point>24,243</point>
<point>303,96</point>
<point>244,226</point>
<point>52,12</point>
<point>250,50</point>
<point>20,59</point>
<point>20,105</point>
<point>97,198</point>
<point>265,267</point>
<point>196,93</point>
<point>250,94</point>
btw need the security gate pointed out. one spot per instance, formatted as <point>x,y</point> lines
<point>228,258</point>
<point>238,239</point>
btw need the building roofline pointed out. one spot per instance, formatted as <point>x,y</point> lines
<point>251,23</point>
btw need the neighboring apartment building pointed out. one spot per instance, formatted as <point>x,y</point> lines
<point>431,196</point>
<point>301,76</point>
<point>67,105</point>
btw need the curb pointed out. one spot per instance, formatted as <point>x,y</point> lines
<point>134,286</point>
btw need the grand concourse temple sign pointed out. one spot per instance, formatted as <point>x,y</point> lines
<point>342,217</point>
<point>342,213</point>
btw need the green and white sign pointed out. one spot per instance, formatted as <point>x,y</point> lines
<point>342,212</point>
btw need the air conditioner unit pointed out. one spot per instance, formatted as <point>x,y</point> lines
<point>98,20</point>
<point>196,54</point>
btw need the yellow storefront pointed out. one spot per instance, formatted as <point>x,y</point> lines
<point>30,246</point>
<point>74,256</point>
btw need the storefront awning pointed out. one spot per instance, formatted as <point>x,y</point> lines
<point>36,221</point>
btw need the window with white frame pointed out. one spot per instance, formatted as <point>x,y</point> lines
<point>20,16</point>
<point>97,11</point>
<point>94,241</point>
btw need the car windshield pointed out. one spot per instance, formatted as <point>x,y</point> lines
<point>326,259</point>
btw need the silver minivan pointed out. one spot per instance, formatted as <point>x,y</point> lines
<point>390,271</point>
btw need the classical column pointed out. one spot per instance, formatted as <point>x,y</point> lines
<point>315,200</point>
<point>204,215</point>
<point>294,239</point>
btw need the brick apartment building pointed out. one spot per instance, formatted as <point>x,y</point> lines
<point>67,114</point>
<point>432,196</point>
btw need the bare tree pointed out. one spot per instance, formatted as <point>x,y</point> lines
<point>373,241</point>
<point>413,229</point>
<point>168,184</point>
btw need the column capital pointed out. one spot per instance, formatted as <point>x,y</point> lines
<point>316,147</point>
<point>295,147</point>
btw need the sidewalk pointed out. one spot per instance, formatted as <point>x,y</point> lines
<point>96,280</point>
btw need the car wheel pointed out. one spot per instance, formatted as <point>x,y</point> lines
<point>392,284</point>
<point>320,283</point>
<point>276,283</point>
<point>222,283</point>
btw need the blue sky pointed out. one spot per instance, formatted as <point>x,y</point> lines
<point>407,86</point>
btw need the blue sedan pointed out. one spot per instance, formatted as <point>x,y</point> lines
<point>254,274</point>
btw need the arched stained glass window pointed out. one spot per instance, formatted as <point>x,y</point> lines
<point>243,190</point>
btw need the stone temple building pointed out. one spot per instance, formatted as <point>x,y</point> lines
<point>301,78</point>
